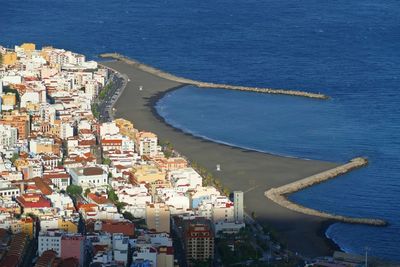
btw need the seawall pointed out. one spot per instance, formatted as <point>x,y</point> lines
<point>201,84</point>
<point>279,195</point>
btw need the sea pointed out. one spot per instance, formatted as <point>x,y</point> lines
<point>349,50</point>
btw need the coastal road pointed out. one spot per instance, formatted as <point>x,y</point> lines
<point>241,169</point>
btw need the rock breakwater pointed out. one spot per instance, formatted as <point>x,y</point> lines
<point>279,195</point>
<point>201,84</point>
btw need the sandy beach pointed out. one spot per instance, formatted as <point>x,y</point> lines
<point>249,171</point>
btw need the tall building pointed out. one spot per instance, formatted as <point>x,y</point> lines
<point>146,144</point>
<point>198,240</point>
<point>238,206</point>
<point>8,136</point>
<point>158,217</point>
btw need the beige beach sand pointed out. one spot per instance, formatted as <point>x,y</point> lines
<point>249,171</point>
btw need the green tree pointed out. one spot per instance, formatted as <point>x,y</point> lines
<point>226,192</point>
<point>95,110</point>
<point>87,191</point>
<point>129,216</point>
<point>14,157</point>
<point>120,206</point>
<point>74,190</point>
<point>112,196</point>
<point>107,161</point>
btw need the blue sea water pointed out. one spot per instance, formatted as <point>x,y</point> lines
<point>346,49</point>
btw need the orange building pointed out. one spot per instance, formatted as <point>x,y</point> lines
<point>19,121</point>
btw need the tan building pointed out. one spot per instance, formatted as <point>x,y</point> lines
<point>146,144</point>
<point>199,240</point>
<point>10,58</point>
<point>165,256</point>
<point>67,226</point>
<point>23,225</point>
<point>170,164</point>
<point>28,47</point>
<point>147,174</point>
<point>126,128</point>
<point>158,217</point>
<point>9,99</point>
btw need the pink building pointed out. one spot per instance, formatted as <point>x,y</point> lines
<point>73,247</point>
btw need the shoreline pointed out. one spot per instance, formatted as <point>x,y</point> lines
<point>324,225</point>
<point>329,241</point>
<point>261,171</point>
<point>201,84</point>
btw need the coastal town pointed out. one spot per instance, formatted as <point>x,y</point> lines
<point>80,188</point>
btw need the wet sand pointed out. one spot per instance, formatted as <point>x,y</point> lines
<point>249,171</point>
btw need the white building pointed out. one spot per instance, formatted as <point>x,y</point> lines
<point>185,179</point>
<point>108,128</point>
<point>89,176</point>
<point>50,240</point>
<point>203,193</point>
<point>120,248</point>
<point>238,204</point>
<point>29,97</point>
<point>7,189</point>
<point>8,137</point>
<point>66,130</point>
<point>40,141</point>
<point>145,252</point>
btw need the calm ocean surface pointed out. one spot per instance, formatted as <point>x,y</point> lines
<point>346,49</point>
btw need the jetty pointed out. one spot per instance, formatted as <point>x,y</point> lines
<point>279,195</point>
<point>201,84</point>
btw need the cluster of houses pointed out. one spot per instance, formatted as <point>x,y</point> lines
<point>76,185</point>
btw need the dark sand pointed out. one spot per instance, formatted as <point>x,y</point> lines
<point>249,171</point>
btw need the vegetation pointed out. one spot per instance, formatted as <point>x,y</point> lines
<point>268,230</point>
<point>210,180</point>
<point>95,110</point>
<point>107,161</point>
<point>74,190</point>
<point>112,196</point>
<point>238,249</point>
<point>87,192</point>
<point>129,216</point>
<point>14,157</point>
<point>167,148</point>
<point>103,93</point>
<point>199,263</point>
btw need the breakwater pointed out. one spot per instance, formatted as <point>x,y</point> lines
<point>201,84</point>
<point>279,195</point>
